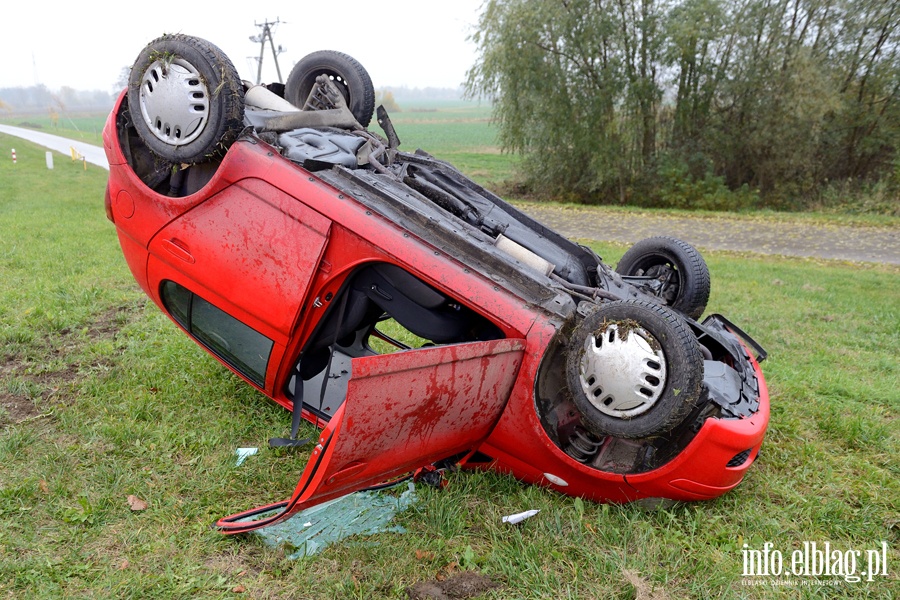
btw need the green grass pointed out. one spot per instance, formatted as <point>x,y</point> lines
<point>103,398</point>
<point>459,132</point>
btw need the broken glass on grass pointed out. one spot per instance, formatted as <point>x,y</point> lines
<point>243,453</point>
<point>362,513</point>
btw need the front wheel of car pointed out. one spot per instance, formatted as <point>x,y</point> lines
<point>186,99</point>
<point>634,369</point>
<point>349,77</point>
<point>671,270</point>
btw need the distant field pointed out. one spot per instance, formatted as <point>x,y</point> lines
<point>88,128</point>
<point>101,398</point>
<point>456,131</point>
<point>461,133</point>
<point>449,129</point>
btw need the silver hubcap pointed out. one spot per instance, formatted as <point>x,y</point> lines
<point>174,101</point>
<point>623,374</point>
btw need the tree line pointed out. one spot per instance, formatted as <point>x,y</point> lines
<point>40,98</point>
<point>696,103</point>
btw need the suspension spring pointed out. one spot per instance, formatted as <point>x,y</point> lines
<point>583,446</point>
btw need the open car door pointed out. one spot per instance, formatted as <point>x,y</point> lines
<point>402,411</point>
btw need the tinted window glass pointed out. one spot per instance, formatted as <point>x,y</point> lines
<point>178,300</point>
<point>242,347</point>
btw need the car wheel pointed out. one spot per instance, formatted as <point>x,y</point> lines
<point>634,369</point>
<point>347,74</point>
<point>186,99</point>
<point>670,269</point>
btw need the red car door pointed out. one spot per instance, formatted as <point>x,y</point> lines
<point>403,411</point>
<point>251,244</point>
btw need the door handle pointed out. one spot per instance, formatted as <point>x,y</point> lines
<point>179,250</point>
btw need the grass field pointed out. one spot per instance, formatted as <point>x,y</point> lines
<point>101,398</point>
<point>457,131</point>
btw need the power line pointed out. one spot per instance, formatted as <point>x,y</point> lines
<point>266,34</point>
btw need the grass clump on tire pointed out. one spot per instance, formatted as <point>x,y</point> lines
<point>186,99</point>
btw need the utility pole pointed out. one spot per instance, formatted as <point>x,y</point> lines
<point>266,34</point>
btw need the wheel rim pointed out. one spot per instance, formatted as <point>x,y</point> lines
<point>623,371</point>
<point>174,101</point>
<point>339,82</point>
<point>667,273</point>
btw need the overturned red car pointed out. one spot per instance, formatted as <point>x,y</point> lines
<point>414,316</point>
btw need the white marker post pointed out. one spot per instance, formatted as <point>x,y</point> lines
<point>49,160</point>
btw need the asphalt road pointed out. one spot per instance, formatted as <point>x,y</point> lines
<point>92,154</point>
<point>762,236</point>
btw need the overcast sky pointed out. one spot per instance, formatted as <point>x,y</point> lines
<point>84,44</point>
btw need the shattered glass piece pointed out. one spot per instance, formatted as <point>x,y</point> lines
<point>363,513</point>
<point>243,453</point>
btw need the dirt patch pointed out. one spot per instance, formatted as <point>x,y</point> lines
<point>462,585</point>
<point>759,236</point>
<point>643,590</point>
<point>238,565</point>
<point>15,409</point>
<point>27,387</point>
<point>17,400</point>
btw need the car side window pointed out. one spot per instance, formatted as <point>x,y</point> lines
<point>237,344</point>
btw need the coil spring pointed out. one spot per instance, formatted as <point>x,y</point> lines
<point>583,446</point>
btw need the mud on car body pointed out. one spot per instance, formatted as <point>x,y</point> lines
<point>293,244</point>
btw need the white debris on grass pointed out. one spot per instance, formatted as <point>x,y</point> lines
<point>519,517</point>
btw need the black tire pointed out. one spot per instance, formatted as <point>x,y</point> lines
<point>348,75</point>
<point>634,369</point>
<point>676,262</point>
<point>186,99</point>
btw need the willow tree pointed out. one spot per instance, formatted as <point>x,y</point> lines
<point>866,57</point>
<point>693,97</point>
<point>575,85</point>
<point>810,94</point>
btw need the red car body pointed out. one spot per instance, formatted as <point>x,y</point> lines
<point>250,263</point>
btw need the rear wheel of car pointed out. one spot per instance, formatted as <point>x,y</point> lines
<point>186,99</point>
<point>670,269</point>
<point>634,369</point>
<point>345,72</point>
